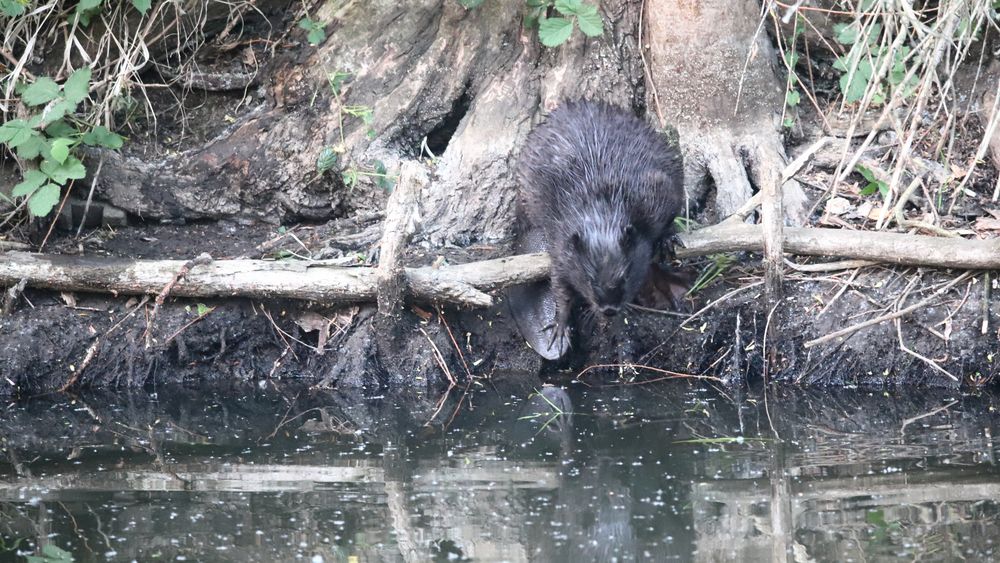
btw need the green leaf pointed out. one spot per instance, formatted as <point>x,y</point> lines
<point>142,5</point>
<point>100,136</point>
<point>42,91</point>
<point>326,160</point>
<point>77,86</point>
<point>60,128</point>
<point>71,169</point>
<point>553,32</point>
<point>15,132</point>
<point>847,34</point>
<point>853,89</point>
<point>870,189</point>
<point>307,24</point>
<point>316,36</point>
<point>41,203</point>
<point>840,64</point>
<point>590,22</point>
<point>36,145</point>
<point>56,111</point>
<point>85,9</point>
<point>788,122</point>
<point>569,7</point>
<point>33,179</point>
<point>204,309</point>
<point>60,149</point>
<point>866,172</point>
<point>11,8</point>
<point>792,98</point>
<point>792,58</point>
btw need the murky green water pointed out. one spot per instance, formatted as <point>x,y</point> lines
<point>643,473</point>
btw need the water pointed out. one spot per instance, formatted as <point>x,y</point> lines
<point>642,473</point>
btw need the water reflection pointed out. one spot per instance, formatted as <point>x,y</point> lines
<point>666,472</point>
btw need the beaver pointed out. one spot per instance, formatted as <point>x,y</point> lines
<point>599,190</point>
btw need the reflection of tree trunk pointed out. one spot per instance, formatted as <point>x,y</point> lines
<point>402,527</point>
<point>782,529</point>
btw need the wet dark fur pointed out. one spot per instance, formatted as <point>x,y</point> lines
<point>604,187</point>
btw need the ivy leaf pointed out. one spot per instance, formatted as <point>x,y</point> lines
<point>42,91</point>
<point>43,200</point>
<point>60,149</point>
<point>553,32</point>
<point>33,179</point>
<point>71,169</point>
<point>792,98</point>
<point>77,86</point>
<point>35,146</point>
<point>15,132</point>
<point>590,21</point>
<point>100,136</point>
<point>142,5</point>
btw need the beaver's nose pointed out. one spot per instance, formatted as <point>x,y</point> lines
<point>610,311</point>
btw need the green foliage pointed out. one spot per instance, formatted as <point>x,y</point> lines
<point>316,31</point>
<point>791,58</point>
<point>51,553</point>
<point>50,136</point>
<point>12,8</point>
<point>874,184</point>
<point>328,156</point>
<point>865,57</point>
<point>326,160</point>
<point>717,266</point>
<point>556,30</point>
<point>142,5</point>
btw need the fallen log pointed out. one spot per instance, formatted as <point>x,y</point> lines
<point>463,284</point>
<point>891,248</point>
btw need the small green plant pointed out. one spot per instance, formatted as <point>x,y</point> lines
<point>330,156</point>
<point>316,31</point>
<point>874,184</point>
<point>865,58</point>
<point>792,95</point>
<point>717,266</point>
<point>556,30</point>
<point>51,136</point>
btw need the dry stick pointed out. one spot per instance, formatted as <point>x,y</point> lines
<point>894,248</point>
<point>90,195</point>
<point>889,317</point>
<point>905,223</point>
<point>829,266</point>
<point>202,259</point>
<point>645,66</point>
<point>55,217</point>
<point>917,355</point>
<point>986,303</point>
<point>396,230</point>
